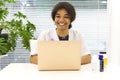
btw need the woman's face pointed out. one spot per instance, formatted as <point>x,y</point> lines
<point>62,19</point>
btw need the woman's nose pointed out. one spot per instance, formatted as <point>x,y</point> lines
<point>61,19</point>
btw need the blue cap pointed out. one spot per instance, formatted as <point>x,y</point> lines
<point>100,56</point>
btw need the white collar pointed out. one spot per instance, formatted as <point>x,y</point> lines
<point>55,36</point>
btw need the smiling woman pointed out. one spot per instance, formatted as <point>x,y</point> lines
<point>62,20</point>
<point>91,21</point>
<point>63,14</point>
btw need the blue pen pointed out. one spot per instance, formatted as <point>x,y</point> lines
<point>101,63</point>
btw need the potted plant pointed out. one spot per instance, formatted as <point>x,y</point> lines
<point>17,27</point>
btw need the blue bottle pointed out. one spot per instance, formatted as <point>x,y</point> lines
<point>101,63</point>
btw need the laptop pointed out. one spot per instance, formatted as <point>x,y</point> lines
<point>59,55</point>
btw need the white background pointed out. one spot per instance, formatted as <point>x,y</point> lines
<point>114,46</point>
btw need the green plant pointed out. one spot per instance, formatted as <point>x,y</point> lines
<point>18,27</point>
<point>3,46</point>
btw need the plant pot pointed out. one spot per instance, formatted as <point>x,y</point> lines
<point>4,35</point>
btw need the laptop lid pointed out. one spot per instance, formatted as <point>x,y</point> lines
<point>59,55</point>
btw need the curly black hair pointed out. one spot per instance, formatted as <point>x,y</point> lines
<point>68,7</point>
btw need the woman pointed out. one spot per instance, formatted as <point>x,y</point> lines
<point>63,14</point>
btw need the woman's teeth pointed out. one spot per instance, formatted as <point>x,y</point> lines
<point>61,24</point>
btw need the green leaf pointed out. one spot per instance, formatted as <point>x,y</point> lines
<point>1,3</point>
<point>10,1</point>
<point>3,46</point>
<point>3,13</point>
<point>20,15</point>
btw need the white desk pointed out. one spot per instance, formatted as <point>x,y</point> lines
<point>28,71</point>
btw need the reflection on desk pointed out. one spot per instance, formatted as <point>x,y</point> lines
<point>28,71</point>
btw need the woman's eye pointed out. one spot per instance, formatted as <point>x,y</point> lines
<point>57,16</point>
<point>66,16</point>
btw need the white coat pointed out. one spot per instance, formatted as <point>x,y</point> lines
<point>52,35</point>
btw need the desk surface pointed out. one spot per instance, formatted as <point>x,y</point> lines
<point>28,71</point>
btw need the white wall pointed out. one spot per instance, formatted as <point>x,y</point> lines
<point>114,10</point>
